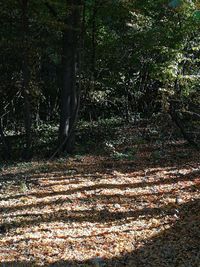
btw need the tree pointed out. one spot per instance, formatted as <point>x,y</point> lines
<point>69,91</point>
<point>26,77</point>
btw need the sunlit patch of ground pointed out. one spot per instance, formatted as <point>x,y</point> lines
<point>100,212</point>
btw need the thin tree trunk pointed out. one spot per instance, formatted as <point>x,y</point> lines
<point>178,122</point>
<point>94,38</point>
<point>26,80</point>
<point>6,147</point>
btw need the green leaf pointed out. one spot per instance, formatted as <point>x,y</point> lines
<point>196,15</point>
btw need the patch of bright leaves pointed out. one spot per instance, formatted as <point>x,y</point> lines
<point>177,3</point>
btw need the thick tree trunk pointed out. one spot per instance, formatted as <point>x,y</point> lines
<point>69,93</point>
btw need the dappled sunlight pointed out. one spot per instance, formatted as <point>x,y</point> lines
<point>78,214</point>
<point>100,133</point>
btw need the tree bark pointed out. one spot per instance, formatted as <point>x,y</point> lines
<point>6,147</point>
<point>26,80</point>
<point>180,125</point>
<point>94,39</point>
<point>69,93</point>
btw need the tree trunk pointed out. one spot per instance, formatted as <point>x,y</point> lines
<point>26,79</point>
<point>6,147</point>
<point>180,125</point>
<point>94,39</point>
<point>69,93</point>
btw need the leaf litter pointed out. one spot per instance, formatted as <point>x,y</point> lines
<point>103,212</point>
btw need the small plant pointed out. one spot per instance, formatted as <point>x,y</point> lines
<point>62,160</point>
<point>23,186</point>
<point>129,154</point>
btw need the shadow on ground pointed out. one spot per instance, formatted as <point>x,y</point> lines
<point>177,245</point>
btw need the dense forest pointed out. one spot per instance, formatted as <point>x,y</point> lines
<point>63,62</point>
<point>100,133</point>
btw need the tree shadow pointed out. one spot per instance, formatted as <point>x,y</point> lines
<point>172,156</point>
<point>102,216</point>
<point>178,246</point>
<point>174,178</point>
<point>174,247</point>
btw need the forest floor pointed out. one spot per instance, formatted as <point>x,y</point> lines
<point>101,210</point>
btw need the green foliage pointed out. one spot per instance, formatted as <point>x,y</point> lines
<point>136,56</point>
<point>129,154</point>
